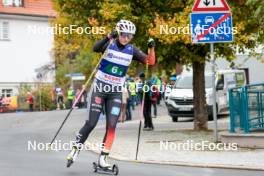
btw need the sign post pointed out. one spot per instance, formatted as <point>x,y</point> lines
<point>39,77</point>
<point>211,22</point>
<point>214,92</point>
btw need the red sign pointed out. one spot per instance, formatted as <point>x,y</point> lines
<point>210,6</point>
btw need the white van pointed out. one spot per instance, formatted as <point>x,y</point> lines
<point>180,100</point>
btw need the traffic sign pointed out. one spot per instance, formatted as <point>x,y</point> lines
<point>73,74</point>
<point>211,27</point>
<point>78,78</point>
<point>211,22</point>
<point>210,6</point>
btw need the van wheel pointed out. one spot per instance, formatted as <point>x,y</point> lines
<point>174,118</point>
<point>211,115</point>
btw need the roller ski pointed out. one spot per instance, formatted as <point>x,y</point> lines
<point>71,158</point>
<point>104,167</point>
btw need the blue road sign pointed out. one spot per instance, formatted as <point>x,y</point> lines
<point>73,74</point>
<point>211,27</point>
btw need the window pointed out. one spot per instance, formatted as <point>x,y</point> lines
<point>7,92</point>
<point>230,80</point>
<point>15,3</point>
<point>186,82</point>
<point>220,82</point>
<point>4,30</point>
<point>7,2</point>
<point>240,79</point>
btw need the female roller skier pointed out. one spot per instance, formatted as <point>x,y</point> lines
<point>118,54</point>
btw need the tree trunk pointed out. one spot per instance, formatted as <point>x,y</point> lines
<point>200,109</point>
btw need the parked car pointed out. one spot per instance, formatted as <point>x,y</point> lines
<point>180,100</point>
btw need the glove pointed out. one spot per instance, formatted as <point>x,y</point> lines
<point>151,43</point>
<point>113,34</point>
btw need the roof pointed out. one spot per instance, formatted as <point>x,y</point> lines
<point>30,8</point>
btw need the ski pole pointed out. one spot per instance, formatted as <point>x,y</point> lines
<point>142,109</point>
<point>139,131</point>
<point>76,100</point>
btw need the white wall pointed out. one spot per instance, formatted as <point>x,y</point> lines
<point>25,51</point>
<point>255,67</point>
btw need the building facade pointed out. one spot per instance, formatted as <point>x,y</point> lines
<point>25,43</point>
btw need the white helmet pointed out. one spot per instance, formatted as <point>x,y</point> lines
<point>125,26</point>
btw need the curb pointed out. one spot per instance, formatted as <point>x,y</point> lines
<point>188,164</point>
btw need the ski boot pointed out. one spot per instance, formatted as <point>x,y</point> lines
<point>103,161</point>
<point>72,156</point>
<point>104,166</point>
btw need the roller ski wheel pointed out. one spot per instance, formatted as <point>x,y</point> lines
<point>115,169</point>
<point>109,170</point>
<point>71,158</point>
<point>95,167</point>
<point>69,162</point>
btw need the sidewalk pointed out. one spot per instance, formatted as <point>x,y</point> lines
<point>124,147</point>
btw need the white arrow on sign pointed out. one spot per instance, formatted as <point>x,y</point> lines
<point>210,5</point>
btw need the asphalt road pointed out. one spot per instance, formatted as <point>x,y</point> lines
<point>16,129</point>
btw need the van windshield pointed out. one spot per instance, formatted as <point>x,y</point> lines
<point>185,82</point>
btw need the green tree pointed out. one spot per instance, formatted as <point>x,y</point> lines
<point>247,38</point>
<point>171,48</point>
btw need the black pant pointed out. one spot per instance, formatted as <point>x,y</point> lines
<point>154,103</point>
<point>159,98</point>
<point>70,103</point>
<point>147,114</point>
<point>128,111</point>
<point>31,107</point>
<point>112,102</point>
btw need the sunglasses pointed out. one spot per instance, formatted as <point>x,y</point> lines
<point>129,36</point>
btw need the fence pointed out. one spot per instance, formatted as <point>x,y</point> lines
<point>247,108</point>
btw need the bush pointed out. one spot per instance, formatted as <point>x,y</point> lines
<point>44,95</point>
<point>42,92</point>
